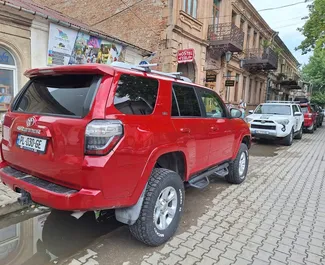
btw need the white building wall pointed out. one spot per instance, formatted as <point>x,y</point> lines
<point>39,42</point>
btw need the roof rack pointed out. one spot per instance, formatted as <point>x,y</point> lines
<point>280,101</point>
<point>146,68</point>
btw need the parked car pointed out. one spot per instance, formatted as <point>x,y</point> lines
<point>95,137</point>
<point>310,117</point>
<point>319,114</point>
<point>301,100</point>
<point>277,120</point>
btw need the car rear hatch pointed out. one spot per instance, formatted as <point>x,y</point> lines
<point>44,132</point>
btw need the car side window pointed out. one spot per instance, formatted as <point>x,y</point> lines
<point>187,101</point>
<point>136,95</point>
<point>212,103</point>
<point>295,109</point>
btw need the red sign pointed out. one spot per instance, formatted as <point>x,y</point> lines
<point>185,56</point>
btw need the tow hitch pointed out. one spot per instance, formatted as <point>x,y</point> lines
<point>25,198</point>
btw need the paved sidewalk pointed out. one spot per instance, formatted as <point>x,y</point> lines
<point>276,217</point>
<point>8,200</point>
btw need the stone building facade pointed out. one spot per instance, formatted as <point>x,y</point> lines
<point>167,27</point>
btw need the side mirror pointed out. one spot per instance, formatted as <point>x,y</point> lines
<point>235,113</point>
<point>297,114</point>
<point>251,112</point>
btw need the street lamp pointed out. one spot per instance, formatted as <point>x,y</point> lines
<point>228,58</point>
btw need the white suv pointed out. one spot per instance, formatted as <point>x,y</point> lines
<point>277,119</point>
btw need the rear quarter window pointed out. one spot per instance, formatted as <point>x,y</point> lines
<point>136,95</point>
<point>69,95</point>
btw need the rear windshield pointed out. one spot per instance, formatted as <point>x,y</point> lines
<point>304,109</point>
<point>70,95</point>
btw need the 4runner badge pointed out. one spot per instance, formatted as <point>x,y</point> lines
<point>30,121</point>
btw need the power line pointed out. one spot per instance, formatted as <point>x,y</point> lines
<point>286,26</point>
<point>144,23</point>
<point>121,11</point>
<point>279,7</point>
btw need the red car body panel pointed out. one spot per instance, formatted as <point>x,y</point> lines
<point>309,116</point>
<point>118,178</point>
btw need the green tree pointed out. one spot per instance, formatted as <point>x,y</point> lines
<point>314,28</point>
<point>318,98</point>
<point>314,71</point>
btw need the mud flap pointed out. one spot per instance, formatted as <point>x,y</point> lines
<point>131,214</point>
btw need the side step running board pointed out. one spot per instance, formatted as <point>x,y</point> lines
<point>201,181</point>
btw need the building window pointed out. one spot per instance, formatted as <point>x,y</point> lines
<point>216,11</point>
<point>8,70</point>
<point>236,87</point>
<point>190,7</point>
<point>255,40</point>
<point>233,18</point>
<point>248,36</point>
<point>243,97</point>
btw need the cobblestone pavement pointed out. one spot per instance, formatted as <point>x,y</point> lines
<point>276,217</point>
<point>8,200</point>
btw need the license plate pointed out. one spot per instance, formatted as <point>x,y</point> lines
<point>33,144</point>
<point>262,132</point>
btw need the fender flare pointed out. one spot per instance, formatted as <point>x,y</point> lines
<point>130,215</point>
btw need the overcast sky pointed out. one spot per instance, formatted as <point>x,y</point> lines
<point>286,21</point>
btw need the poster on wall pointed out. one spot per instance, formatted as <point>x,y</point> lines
<point>89,49</point>
<point>61,43</point>
<point>68,46</point>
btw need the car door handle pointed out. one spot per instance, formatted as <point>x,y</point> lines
<point>185,130</point>
<point>214,128</point>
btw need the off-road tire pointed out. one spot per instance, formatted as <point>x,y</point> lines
<point>234,176</point>
<point>288,140</point>
<point>144,229</point>
<point>299,135</point>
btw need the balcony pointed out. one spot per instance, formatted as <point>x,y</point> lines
<point>290,79</point>
<point>260,59</point>
<point>225,37</point>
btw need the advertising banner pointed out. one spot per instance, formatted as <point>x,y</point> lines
<point>61,44</point>
<point>68,46</point>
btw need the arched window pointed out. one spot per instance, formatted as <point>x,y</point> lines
<point>8,70</point>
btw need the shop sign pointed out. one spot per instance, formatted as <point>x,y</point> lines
<point>185,56</point>
<point>230,83</point>
<point>67,46</point>
<point>211,77</point>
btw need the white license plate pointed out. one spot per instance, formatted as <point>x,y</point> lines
<point>262,132</point>
<point>33,144</point>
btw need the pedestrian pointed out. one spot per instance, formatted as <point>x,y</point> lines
<point>242,108</point>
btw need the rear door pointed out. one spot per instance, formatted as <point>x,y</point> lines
<point>45,130</point>
<point>219,126</point>
<point>296,118</point>
<point>192,133</point>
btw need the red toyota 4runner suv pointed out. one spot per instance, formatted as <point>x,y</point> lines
<point>95,137</point>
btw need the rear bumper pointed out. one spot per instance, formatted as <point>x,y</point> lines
<point>52,195</point>
<point>308,123</point>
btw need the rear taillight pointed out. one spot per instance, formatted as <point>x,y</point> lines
<point>102,135</point>
<point>310,115</point>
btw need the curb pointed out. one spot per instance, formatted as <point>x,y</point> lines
<point>11,208</point>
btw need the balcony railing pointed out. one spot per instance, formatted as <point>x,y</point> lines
<point>260,59</point>
<point>226,37</point>
<point>288,78</point>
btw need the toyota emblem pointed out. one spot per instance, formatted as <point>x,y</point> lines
<point>30,121</point>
